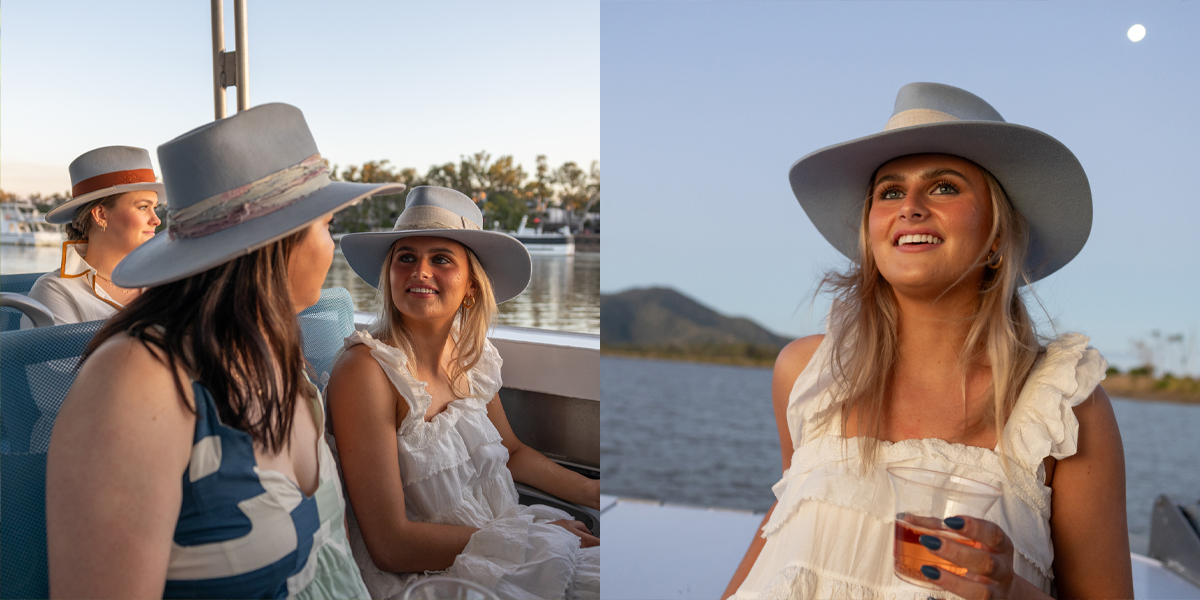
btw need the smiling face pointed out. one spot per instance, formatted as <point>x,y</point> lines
<point>429,277</point>
<point>930,220</point>
<point>127,223</point>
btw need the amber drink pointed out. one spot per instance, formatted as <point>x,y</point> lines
<point>923,499</point>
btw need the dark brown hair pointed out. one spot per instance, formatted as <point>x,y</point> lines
<point>82,224</point>
<point>233,328</point>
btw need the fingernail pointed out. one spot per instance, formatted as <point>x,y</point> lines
<point>954,522</point>
<point>930,542</point>
<point>930,572</point>
<point>900,516</point>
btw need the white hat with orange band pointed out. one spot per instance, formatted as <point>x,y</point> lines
<point>104,172</point>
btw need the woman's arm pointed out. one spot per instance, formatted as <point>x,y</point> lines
<point>120,445</point>
<point>366,411</point>
<point>1088,522</point>
<point>788,366</point>
<point>531,467</point>
<point>52,292</point>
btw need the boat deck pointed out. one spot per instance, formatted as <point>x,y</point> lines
<point>659,551</point>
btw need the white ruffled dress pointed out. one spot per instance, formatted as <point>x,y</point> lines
<point>455,471</point>
<point>831,533</point>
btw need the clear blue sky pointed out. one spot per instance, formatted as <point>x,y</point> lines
<point>705,106</point>
<point>415,82</point>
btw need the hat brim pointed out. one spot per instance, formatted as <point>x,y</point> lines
<point>65,213</point>
<point>1044,182</point>
<point>163,260</point>
<point>504,258</point>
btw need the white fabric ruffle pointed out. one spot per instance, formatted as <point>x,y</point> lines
<point>455,472</point>
<point>831,532</point>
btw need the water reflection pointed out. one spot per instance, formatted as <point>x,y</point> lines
<point>563,293</point>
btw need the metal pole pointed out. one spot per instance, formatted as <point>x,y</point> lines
<point>243,54</point>
<point>218,36</point>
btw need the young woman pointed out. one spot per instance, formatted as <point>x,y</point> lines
<point>111,212</point>
<point>427,454</point>
<point>930,360</point>
<point>188,459</point>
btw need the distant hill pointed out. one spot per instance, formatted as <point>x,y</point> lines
<point>663,322</point>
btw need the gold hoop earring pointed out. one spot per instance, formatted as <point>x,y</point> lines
<point>999,261</point>
<point>471,305</point>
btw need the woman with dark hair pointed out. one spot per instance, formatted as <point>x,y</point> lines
<point>427,452</point>
<point>188,459</point>
<point>110,213</point>
<point>930,360</point>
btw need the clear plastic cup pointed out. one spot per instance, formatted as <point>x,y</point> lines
<point>442,587</point>
<point>923,499</point>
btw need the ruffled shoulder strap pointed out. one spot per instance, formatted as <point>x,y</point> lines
<point>485,375</point>
<point>1043,421</point>
<point>809,399</point>
<point>395,365</point>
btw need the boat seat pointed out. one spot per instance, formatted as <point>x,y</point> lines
<point>19,283</point>
<point>23,305</point>
<point>37,368</point>
<point>323,327</point>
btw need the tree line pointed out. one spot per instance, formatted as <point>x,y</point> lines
<point>503,189</point>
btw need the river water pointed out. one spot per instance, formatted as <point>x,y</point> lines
<point>705,435</point>
<point>563,294</point>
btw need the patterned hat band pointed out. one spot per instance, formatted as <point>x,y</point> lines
<point>432,217</point>
<point>250,201</point>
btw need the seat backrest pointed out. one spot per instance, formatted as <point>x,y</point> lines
<point>37,367</point>
<point>19,283</point>
<point>324,326</point>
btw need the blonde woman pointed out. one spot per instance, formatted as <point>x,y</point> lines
<point>427,453</point>
<point>111,212</point>
<point>930,360</point>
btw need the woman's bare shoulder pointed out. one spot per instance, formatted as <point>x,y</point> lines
<point>795,357</point>
<point>359,378</point>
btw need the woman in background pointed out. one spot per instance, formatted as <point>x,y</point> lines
<point>930,360</point>
<point>111,212</point>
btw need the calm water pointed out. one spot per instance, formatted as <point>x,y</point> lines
<point>564,293</point>
<point>705,435</point>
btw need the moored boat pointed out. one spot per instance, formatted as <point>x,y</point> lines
<point>22,224</point>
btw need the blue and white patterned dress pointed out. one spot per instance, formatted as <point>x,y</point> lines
<point>246,532</point>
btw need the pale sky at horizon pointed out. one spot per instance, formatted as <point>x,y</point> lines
<point>418,83</point>
<point>705,106</point>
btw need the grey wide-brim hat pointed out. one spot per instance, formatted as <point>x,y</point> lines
<point>1042,178</point>
<point>236,185</point>
<point>442,212</point>
<point>103,172</point>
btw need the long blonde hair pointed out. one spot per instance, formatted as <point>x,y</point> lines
<point>472,324</point>
<point>864,319</point>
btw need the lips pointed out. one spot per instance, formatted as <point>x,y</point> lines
<point>418,289</point>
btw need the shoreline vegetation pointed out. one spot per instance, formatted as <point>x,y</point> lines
<point>1141,386</point>
<point>550,197</point>
<point>663,324</point>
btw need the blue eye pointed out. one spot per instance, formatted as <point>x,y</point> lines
<point>892,193</point>
<point>945,187</point>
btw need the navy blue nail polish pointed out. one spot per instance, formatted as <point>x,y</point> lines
<point>930,542</point>
<point>954,522</point>
<point>930,572</point>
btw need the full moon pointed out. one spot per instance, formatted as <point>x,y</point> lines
<point>1136,33</point>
